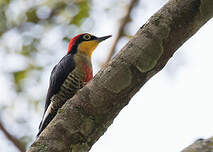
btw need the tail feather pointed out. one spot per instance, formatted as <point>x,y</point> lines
<point>48,116</point>
<point>46,122</point>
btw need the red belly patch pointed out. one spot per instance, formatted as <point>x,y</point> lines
<point>88,71</point>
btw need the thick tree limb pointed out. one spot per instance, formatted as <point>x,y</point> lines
<point>201,145</point>
<point>12,139</point>
<point>85,117</point>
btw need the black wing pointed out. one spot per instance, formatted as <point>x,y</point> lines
<point>58,76</point>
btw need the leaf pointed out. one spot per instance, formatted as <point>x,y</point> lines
<point>28,50</point>
<point>18,77</point>
<point>4,2</point>
<point>84,9</point>
<point>31,16</point>
<point>3,21</point>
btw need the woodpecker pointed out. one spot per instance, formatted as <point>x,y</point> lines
<point>70,74</point>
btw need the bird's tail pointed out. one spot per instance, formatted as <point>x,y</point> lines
<point>48,116</point>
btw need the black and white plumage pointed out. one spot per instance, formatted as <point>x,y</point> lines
<point>69,75</point>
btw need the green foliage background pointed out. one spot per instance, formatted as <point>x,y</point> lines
<point>34,36</point>
<point>25,55</point>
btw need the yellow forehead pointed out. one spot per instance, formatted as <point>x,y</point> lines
<point>87,47</point>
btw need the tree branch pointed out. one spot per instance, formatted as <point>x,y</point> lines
<point>201,145</point>
<point>11,138</point>
<point>123,22</point>
<point>84,118</point>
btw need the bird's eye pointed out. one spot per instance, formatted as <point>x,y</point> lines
<point>87,37</point>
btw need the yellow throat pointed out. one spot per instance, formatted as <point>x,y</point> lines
<point>87,47</point>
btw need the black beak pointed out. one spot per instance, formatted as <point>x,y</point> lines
<point>100,39</point>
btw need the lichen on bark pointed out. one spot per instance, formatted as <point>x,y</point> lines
<point>84,118</point>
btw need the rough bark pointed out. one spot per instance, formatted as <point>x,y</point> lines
<point>201,145</point>
<point>85,117</point>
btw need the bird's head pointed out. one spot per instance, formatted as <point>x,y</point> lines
<point>85,43</point>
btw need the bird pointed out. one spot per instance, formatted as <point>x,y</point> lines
<point>72,72</point>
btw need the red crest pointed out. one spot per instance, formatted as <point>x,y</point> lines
<point>72,42</point>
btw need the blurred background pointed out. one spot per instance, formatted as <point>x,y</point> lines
<point>170,112</point>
